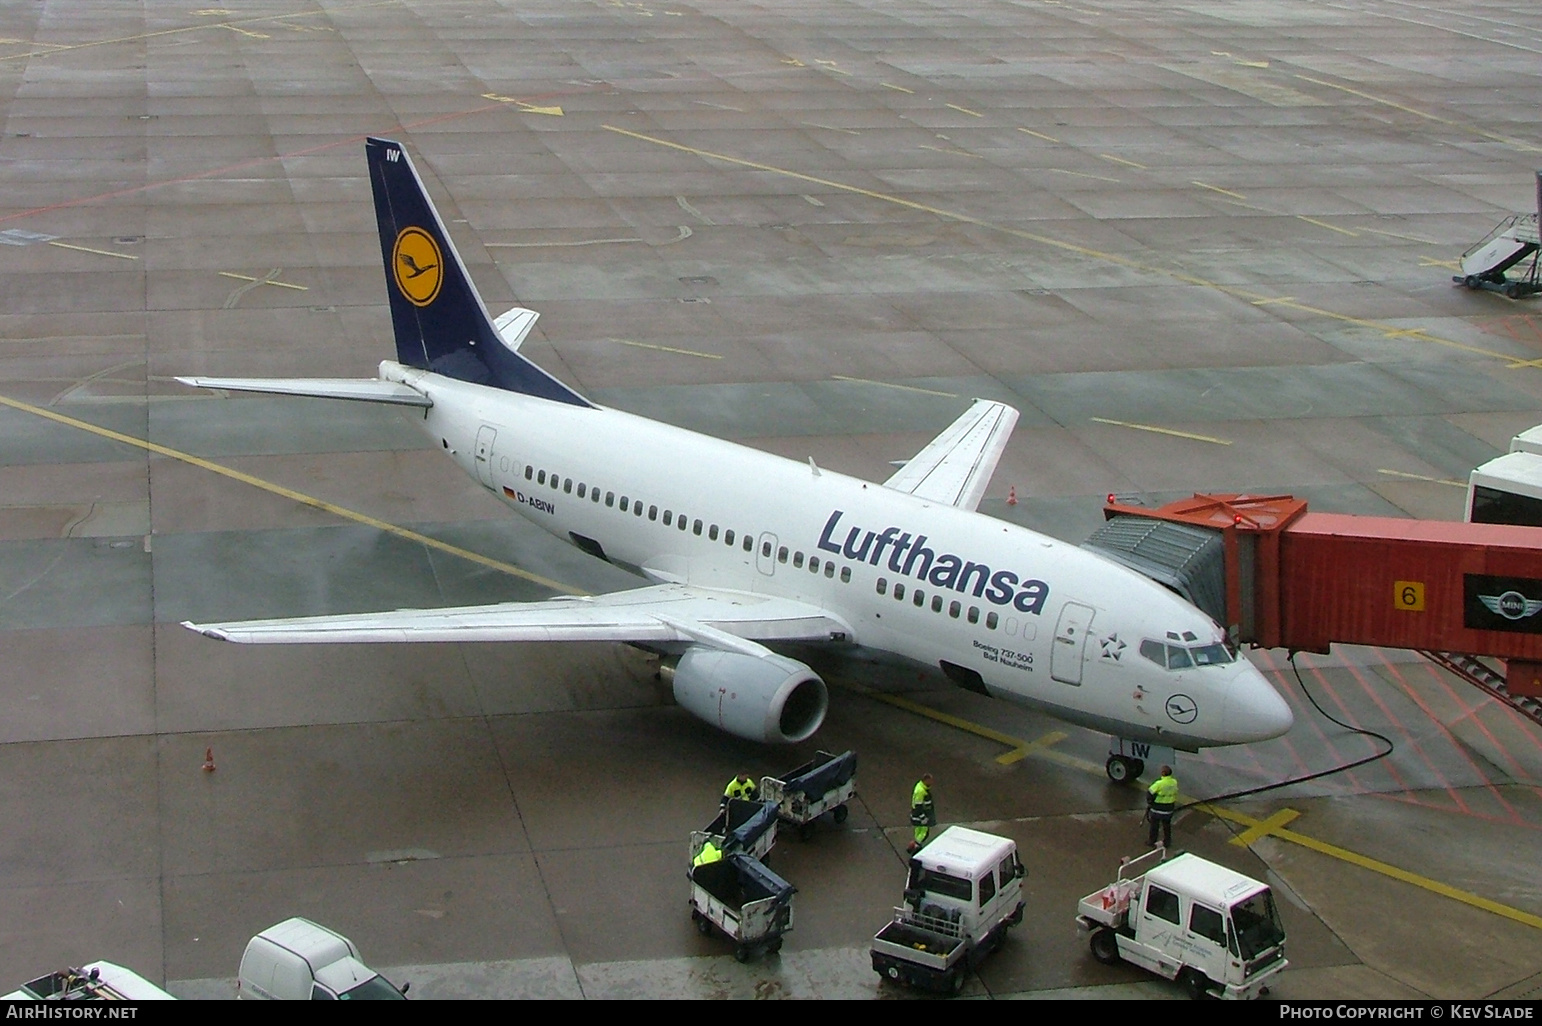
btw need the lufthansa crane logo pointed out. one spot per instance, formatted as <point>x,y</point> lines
<point>417,265</point>
<point>1182,709</point>
<point>1512,605</point>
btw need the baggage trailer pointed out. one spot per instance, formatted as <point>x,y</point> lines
<point>744,901</point>
<point>963,894</point>
<point>822,785</point>
<point>1213,930</point>
<point>743,826</point>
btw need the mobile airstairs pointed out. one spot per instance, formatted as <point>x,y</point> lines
<point>1506,247</point>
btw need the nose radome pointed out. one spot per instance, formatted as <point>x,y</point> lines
<point>1254,710</point>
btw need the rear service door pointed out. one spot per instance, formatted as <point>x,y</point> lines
<point>484,454</point>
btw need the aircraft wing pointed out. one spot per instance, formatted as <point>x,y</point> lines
<point>956,466</point>
<point>728,620</point>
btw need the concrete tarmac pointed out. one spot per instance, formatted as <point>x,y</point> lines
<point>1200,247</point>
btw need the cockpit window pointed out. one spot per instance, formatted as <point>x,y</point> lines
<point>1180,657</point>
<point>1211,655</point>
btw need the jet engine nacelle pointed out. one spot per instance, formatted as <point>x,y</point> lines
<point>767,698</point>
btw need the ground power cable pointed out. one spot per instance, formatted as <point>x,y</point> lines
<point>1384,739</point>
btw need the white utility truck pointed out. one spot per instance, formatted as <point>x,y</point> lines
<point>298,960</point>
<point>95,981</point>
<point>1213,930</point>
<point>964,893</point>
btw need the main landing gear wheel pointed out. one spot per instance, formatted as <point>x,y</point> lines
<point>1121,769</point>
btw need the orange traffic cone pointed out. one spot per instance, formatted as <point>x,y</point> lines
<point>1012,496</point>
<point>208,760</point>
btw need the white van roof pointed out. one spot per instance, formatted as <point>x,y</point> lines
<point>313,942</point>
<point>1518,473</point>
<point>1204,880</point>
<point>959,851</point>
<point>1529,440</point>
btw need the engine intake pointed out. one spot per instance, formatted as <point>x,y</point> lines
<point>767,698</point>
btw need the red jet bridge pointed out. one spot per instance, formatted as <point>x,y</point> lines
<point>1279,576</point>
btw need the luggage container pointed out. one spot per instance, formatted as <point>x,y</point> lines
<point>822,785</point>
<point>747,827</point>
<point>744,901</point>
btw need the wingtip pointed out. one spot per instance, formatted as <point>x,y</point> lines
<point>208,632</point>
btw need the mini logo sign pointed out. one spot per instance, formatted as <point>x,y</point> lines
<point>1512,605</point>
<point>1182,709</point>
<point>1502,603</point>
<point>417,265</point>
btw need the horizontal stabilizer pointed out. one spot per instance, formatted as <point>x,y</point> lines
<point>663,613</point>
<point>366,390</point>
<point>513,325</point>
<point>956,467</point>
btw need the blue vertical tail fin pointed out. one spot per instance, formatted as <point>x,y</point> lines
<point>440,321</point>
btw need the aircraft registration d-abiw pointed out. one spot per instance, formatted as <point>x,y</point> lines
<point>747,551</point>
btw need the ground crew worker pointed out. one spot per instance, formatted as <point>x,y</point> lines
<point>923,814</point>
<point>1161,803</point>
<point>709,853</point>
<point>739,787</point>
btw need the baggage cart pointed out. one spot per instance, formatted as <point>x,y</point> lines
<point>744,901</point>
<point>822,785</point>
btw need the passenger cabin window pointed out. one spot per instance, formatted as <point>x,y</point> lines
<point>954,608</point>
<point>749,543</point>
<point>883,586</point>
<point>974,614</point>
<point>540,478</point>
<point>567,485</point>
<point>918,597</point>
<point>610,498</point>
<point>765,549</point>
<point>728,538</point>
<point>845,575</point>
<point>696,528</point>
<point>829,569</point>
<point>712,533</point>
<point>653,512</point>
<point>781,554</point>
<point>1207,923</point>
<point>987,888</point>
<point>669,518</point>
<point>624,501</point>
<point>637,508</point>
<point>936,603</point>
<point>529,471</point>
<point>797,560</point>
<point>813,564</point>
<point>1162,904</point>
<point>594,495</point>
<point>582,490</point>
<point>991,619</point>
<point>554,481</point>
<point>899,590</point>
<point>680,521</point>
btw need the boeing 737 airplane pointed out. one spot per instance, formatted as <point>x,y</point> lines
<point>746,551</point>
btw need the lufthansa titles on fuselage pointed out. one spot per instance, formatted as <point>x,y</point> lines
<point>909,556</point>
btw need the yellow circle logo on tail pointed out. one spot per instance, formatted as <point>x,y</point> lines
<point>417,265</point>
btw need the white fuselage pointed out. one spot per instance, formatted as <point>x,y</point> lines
<point>1004,610</point>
